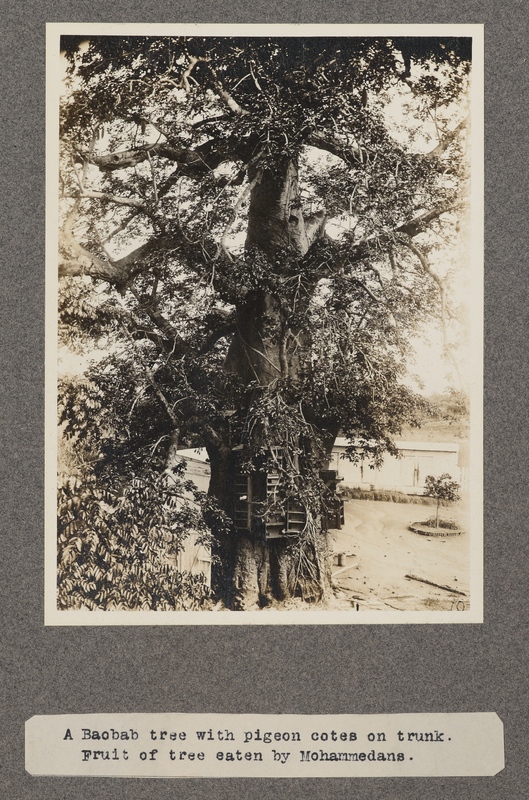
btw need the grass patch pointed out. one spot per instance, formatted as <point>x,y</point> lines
<point>448,524</point>
<point>388,496</point>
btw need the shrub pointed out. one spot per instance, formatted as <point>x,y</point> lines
<point>117,546</point>
<point>449,524</point>
<point>388,496</point>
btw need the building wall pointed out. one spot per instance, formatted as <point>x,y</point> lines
<point>404,474</point>
<point>194,557</point>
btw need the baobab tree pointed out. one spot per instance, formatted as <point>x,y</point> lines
<point>248,236</point>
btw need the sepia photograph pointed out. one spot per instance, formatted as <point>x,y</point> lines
<point>264,324</point>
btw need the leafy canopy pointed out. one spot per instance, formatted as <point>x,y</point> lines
<point>252,230</point>
<point>185,123</point>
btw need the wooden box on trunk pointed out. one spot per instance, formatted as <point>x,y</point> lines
<point>256,502</point>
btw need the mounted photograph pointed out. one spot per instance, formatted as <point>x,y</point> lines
<point>264,324</point>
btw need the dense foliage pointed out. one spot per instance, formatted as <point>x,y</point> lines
<point>121,557</point>
<point>251,230</point>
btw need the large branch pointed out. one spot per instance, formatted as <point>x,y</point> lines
<point>338,257</point>
<point>447,140</point>
<point>419,223</point>
<point>133,202</point>
<point>225,96</point>
<point>222,92</point>
<point>411,228</point>
<point>80,261</point>
<point>351,152</point>
<point>117,272</point>
<point>193,162</point>
<point>123,159</point>
<point>348,151</point>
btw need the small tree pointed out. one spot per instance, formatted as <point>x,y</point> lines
<point>442,488</point>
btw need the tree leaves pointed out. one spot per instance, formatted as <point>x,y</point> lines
<point>238,217</point>
<point>117,547</point>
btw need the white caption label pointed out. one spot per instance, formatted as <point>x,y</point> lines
<point>264,745</point>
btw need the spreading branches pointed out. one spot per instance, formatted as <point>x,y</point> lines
<point>447,140</point>
<point>152,380</point>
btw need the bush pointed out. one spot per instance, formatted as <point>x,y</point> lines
<point>117,547</point>
<point>449,524</point>
<point>388,496</point>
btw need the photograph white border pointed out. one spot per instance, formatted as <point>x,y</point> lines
<point>54,617</point>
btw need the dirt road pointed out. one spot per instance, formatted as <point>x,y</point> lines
<point>381,552</point>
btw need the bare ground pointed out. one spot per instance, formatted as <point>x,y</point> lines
<point>382,551</point>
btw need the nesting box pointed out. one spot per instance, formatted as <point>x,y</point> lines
<point>256,491</point>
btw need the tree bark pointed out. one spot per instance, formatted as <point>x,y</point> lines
<point>256,571</point>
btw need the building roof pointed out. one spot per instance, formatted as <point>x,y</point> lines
<point>436,447</point>
<point>194,454</point>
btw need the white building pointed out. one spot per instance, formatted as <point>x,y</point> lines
<point>194,557</point>
<point>405,473</point>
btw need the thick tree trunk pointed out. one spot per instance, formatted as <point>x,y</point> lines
<point>250,573</point>
<point>247,571</point>
<point>255,571</point>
